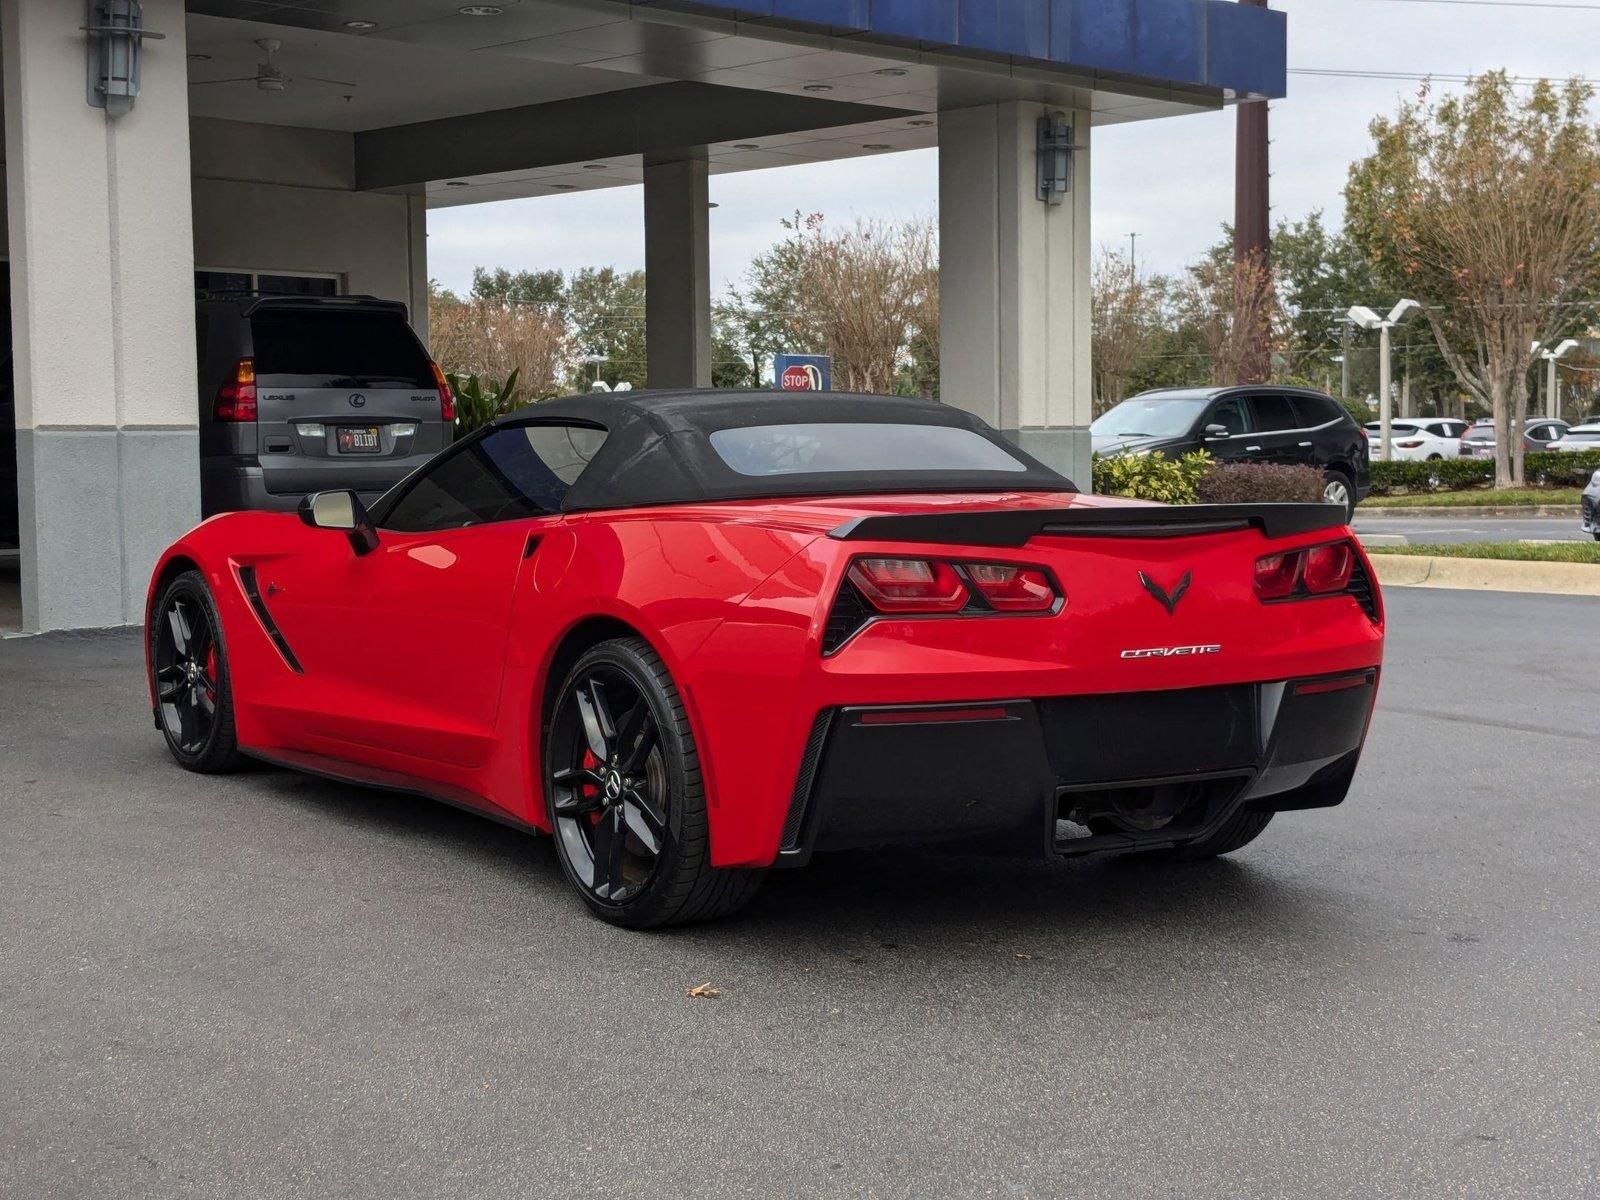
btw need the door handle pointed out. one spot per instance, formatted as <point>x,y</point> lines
<point>1252,448</point>
<point>1304,444</point>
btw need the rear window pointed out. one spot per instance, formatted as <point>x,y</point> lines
<point>858,447</point>
<point>338,348</point>
<point>1480,433</point>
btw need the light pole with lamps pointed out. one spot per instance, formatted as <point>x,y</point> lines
<point>1552,381</point>
<point>1367,319</point>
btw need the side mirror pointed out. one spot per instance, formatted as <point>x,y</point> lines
<point>341,510</point>
<point>1216,432</point>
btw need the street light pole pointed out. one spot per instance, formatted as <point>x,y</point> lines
<point>1552,379</point>
<point>1367,319</point>
<point>1385,386</point>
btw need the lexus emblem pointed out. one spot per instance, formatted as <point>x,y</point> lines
<point>357,400</point>
<point>1167,600</point>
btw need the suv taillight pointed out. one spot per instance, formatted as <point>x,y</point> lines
<point>236,398</point>
<point>447,399</point>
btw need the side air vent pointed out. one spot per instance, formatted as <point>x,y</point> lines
<point>252,593</point>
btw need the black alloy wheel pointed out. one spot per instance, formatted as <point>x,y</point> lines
<point>609,789</point>
<point>625,798</point>
<point>188,664</point>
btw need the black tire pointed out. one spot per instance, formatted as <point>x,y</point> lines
<point>646,785</point>
<point>1238,830</point>
<point>190,678</point>
<point>1435,458</point>
<point>1337,487</point>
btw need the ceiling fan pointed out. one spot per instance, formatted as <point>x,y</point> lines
<point>269,77</point>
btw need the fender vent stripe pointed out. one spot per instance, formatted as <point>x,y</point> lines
<point>252,593</point>
<point>801,800</point>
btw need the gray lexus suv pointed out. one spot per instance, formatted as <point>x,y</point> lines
<point>305,394</point>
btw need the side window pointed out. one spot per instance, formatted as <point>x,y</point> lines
<point>1542,433</point>
<point>1232,413</point>
<point>521,471</point>
<point>1274,413</point>
<point>1315,410</point>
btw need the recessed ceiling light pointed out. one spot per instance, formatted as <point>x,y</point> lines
<point>360,24</point>
<point>876,146</point>
<point>817,87</point>
<point>891,71</point>
<point>745,146</point>
<point>563,187</point>
<point>480,10</point>
<point>456,183</point>
<point>920,122</point>
<point>199,58</point>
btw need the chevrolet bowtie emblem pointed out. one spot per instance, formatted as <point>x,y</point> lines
<point>1168,600</point>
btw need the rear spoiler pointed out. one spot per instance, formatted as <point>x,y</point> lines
<point>1016,526</point>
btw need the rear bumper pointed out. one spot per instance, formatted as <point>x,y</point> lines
<point>1076,775</point>
<point>241,489</point>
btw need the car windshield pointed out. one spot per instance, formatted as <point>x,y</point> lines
<point>1151,416</point>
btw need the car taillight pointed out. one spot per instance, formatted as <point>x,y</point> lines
<point>236,398</point>
<point>1315,571</point>
<point>1328,568</point>
<point>447,398</point>
<point>909,585</point>
<point>1277,575</point>
<point>1409,445</point>
<point>1012,589</point>
<point>1366,434</point>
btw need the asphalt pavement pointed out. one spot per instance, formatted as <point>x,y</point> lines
<point>1381,530</point>
<point>270,985</point>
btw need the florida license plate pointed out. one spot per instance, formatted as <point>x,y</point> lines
<point>362,439</point>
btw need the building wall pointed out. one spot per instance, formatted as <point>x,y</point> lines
<point>269,198</point>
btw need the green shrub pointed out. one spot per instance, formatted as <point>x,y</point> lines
<point>479,401</point>
<point>1544,468</point>
<point>1259,483</point>
<point>1151,476</point>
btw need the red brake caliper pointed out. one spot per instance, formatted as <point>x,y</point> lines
<point>590,762</point>
<point>211,672</point>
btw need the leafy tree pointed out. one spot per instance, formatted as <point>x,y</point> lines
<point>1487,206</point>
<point>1127,313</point>
<point>520,287</point>
<point>605,310</point>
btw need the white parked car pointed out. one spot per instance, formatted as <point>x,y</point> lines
<point>1579,438</point>
<point>1415,439</point>
<point>1591,507</point>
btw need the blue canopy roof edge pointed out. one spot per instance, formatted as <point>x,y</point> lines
<point>1236,49</point>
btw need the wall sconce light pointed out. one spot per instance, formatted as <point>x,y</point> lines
<point>115,29</point>
<point>1055,158</point>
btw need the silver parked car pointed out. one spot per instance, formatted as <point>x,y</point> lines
<point>1591,507</point>
<point>1579,438</point>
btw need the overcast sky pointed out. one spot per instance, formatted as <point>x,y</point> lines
<point>1169,181</point>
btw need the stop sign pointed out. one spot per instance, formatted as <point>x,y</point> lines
<point>800,378</point>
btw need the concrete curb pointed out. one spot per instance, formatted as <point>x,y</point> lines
<point>1487,574</point>
<point>1468,511</point>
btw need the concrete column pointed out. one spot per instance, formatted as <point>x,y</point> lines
<point>102,269</point>
<point>1014,284</point>
<point>677,263</point>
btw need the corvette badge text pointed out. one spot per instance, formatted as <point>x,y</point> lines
<point>1171,651</point>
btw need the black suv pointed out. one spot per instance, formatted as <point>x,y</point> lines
<point>306,394</point>
<point>1245,424</point>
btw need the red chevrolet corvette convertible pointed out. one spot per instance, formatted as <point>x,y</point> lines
<point>696,635</point>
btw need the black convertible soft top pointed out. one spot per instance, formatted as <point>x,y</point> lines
<point>658,447</point>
